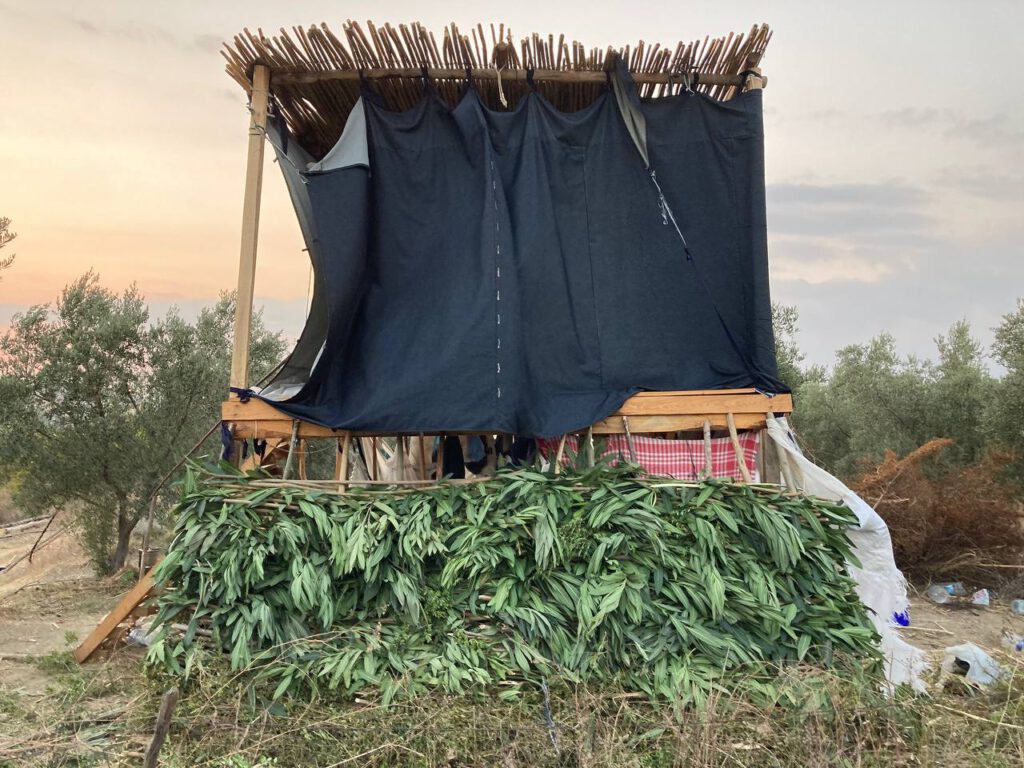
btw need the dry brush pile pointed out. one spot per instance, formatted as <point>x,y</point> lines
<point>609,577</point>
<point>962,521</point>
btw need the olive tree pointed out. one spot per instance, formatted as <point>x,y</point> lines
<point>100,403</point>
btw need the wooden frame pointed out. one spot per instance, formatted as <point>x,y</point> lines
<point>645,412</point>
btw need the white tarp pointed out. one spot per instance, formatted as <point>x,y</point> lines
<point>880,583</point>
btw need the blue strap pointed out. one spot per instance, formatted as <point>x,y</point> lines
<point>244,393</point>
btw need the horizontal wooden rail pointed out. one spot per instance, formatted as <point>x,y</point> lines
<point>284,77</point>
<point>645,412</point>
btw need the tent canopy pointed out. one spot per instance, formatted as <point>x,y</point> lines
<point>523,268</point>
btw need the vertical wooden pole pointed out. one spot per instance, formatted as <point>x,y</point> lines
<point>737,448</point>
<point>709,467</point>
<point>341,462</point>
<point>559,453</point>
<point>762,447</point>
<point>629,440</point>
<point>250,226</point>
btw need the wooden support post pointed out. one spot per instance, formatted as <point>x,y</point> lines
<point>423,458</point>
<point>293,447</point>
<point>250,226</point>
<point>559,453</point>
<point>303,451</point>
<point>341,462</point>
<point>740,455</point>
<point>590,446</point>
<point>709,467</point>
<point>629,439</point>
<point>440,458</point>
<point>400,456</point>
<point>772,467</point>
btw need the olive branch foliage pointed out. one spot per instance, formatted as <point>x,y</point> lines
<point>600,576</point>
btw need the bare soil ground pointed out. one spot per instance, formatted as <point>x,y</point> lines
<point>45,605</point>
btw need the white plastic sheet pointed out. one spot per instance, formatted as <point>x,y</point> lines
<point>880,584</point>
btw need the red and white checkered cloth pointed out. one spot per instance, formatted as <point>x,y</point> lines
<point>681,459</point>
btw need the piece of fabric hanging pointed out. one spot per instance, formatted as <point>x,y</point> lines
<point>453,460</point>
<point>680,459</point>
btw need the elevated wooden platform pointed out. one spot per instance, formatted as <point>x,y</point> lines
<point>644,413</point>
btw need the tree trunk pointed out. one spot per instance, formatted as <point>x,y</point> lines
<point>125,526</point>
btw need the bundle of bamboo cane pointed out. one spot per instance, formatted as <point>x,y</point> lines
<point>316,76</point>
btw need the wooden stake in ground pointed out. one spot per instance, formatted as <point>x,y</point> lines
<point>163,725</point>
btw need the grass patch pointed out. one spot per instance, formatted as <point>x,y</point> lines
<point>813,717</point>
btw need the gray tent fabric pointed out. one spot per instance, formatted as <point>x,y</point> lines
<point>519,272</point>
<point>352,148</point>
<point>293,161</point>
<point>629,107</point>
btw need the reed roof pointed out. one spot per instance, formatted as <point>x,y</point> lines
<point>315,75</point>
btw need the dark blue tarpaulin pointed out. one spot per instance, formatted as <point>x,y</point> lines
<point>518,272</point>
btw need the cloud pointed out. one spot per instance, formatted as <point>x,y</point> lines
<point>848,233</point>
<point>849,194</point>
<point>852,217</point>
<point>1003,184</point>
<point>820,262</point>
<point>997,129</point>
<point>147,34</point>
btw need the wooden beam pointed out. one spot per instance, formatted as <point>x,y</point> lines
<point>678,403</point>
<point>639,425</point>
<point>284,77</point>
<point>257,418</point>
<point>250,227</point>
<point>121,611</point>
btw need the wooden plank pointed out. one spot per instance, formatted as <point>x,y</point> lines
<point>673,404</point>
<point>694,392</point>
<point>121,611</point>
<point>281,428</point>
<point>249,417</point>
<point>250,227</point>
<point>676,423</point>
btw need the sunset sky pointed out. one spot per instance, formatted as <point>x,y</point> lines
<point>894,132</point>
